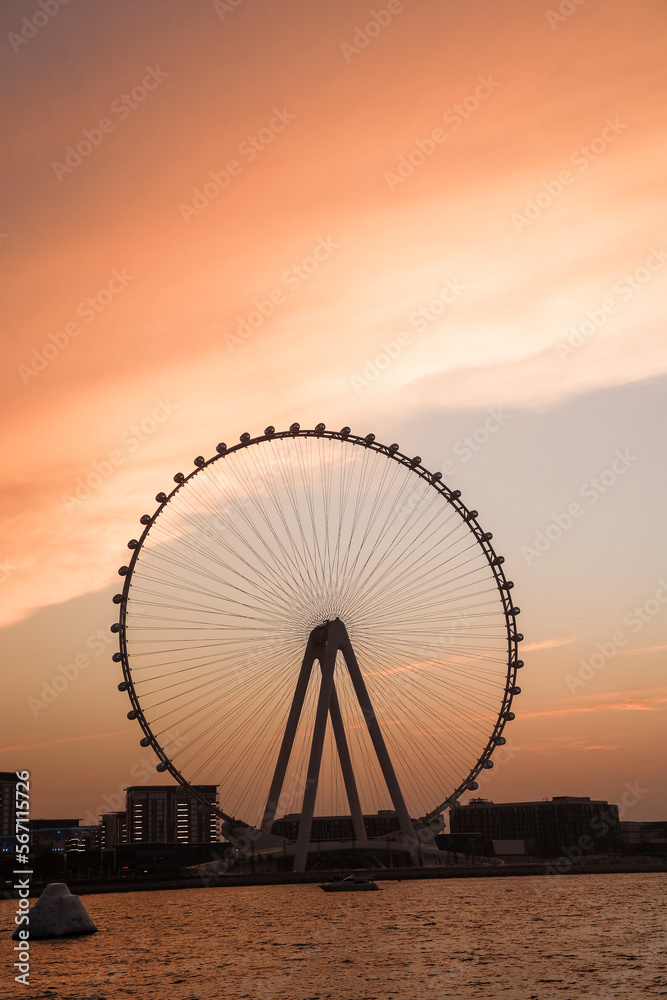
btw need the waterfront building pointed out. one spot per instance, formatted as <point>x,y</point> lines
<point>61,835</point>
<point>169,814</point>
<point>331,828</point>
<point>113,829</point>
<point>644,838</point>
<point>654,834</point>
<point>549,828</point>
<point>8,781</point>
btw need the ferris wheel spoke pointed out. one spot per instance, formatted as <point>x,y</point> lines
<point>326,489</point>
<point>378,499</point>
<point>266,580</point>
<point>298,538</point>
<point>394,557</point>
<point>413,558</point>
<point>228,575</point>
<point>271,575</point>
<point>296,560</point>
<point>297,543</point>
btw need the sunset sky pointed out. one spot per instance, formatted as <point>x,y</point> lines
<point>442,222</point>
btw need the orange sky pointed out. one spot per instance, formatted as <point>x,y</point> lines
<point>537,216</point>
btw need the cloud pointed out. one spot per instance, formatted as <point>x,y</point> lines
<point>547,644</point>
<point>629,703</point>
<point>552,745</point>
<point>65,739</point>
<point>494,344</point>
<point>535,381</point>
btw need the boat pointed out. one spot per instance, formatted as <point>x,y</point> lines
<point>353,883</point>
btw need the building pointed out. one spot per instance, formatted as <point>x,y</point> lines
<point>330,828</point>
<point>113,829</point>
<point>654,834</point>
<point>644,838</point>
<point>631,834</point>
<point>472,844</point>
<point>170,814</point>
<point>8,781</point>
<point>549,828</point>
<point>61,835</point>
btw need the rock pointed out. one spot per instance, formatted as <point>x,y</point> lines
<point>57,913</point>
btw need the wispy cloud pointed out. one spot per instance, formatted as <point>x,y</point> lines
<point>630,702</point>
<point>548,644</point>
<point>550,746</point>
<point>65,739</point>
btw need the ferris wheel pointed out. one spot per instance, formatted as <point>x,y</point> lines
<point>318,625</point>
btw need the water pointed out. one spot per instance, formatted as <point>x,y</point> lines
<point>574,937</point>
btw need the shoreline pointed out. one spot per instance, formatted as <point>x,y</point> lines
<point>208,881</point>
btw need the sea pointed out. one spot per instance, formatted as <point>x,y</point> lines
<point>571,937</point>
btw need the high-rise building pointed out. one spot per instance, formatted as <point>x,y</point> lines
<point>113,829</point>
<point>170,814</point>
<point>8,781</point>
<point>549,828</point>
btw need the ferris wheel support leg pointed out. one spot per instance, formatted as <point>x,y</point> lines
<point>346,767</point>
<point>328,662</point>
<point>380,748</point>
<point>288,738</point>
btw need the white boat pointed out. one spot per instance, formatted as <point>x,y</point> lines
<point>353,883</point>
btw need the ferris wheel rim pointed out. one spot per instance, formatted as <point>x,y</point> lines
<point>434,480</point>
